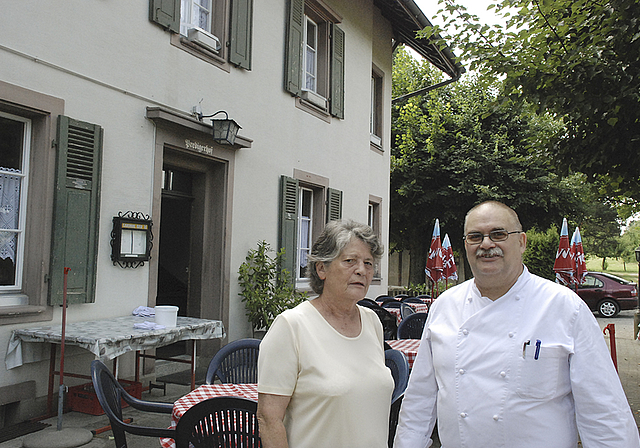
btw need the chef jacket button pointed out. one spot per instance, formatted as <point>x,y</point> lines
<point>511,334</point>
<point>517,297</point>
<point>503,374</point>
<point>496,417</point>
<point>463,414</point>
<point>470,299</point>
<point>461,371</point>
<point>465,332</point>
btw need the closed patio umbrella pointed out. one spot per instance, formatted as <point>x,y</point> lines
<point>564,265</point>
<point>450,271</point>
<point>435,262</point>
<point>578,257</point>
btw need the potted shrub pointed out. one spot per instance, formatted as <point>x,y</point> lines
<point>266,288</point>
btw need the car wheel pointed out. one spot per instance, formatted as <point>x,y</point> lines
<point>608,308</point>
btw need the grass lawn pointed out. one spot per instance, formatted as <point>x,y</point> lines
<point>614,266</point>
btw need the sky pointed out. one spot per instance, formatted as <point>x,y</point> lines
<point>477,7</point>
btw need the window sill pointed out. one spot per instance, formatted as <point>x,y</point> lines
<point>314,110</point>
<point>25,313</point>
<point>376,148</point>
<point>200,52</point>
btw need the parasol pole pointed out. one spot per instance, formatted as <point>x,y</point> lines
<point>64,325</point>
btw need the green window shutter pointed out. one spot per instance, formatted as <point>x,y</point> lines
<point>334,204</point>
<point>288,237</point>
<point>165,13</point>
<point>241,25</point>
<point>75,213</point>
<point>337,72</point>
<point>293,55</point>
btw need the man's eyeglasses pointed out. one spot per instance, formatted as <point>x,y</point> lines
<point>496,236</point>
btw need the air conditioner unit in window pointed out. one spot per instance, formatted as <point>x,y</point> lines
<point>204,39</point>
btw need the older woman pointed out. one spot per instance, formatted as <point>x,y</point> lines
<point>322,381</point>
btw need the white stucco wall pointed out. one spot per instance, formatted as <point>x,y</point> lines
<point>108,62</point>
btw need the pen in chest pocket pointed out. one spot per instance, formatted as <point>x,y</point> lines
<point>524,348</point>
<point>537,353</point>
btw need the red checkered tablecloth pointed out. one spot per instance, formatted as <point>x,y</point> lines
<point>407,346</point>
<point>204,392</point>
<point>418,308</point>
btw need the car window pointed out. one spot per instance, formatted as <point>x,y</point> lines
<point>617,279</point>
<point>591,282</point>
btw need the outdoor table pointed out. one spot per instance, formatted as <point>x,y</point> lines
<point>108,339</point>
<point>205,392</point>
<point>417,307</point>
<point>407,346</point>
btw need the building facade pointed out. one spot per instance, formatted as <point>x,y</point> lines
<point>103,114</point>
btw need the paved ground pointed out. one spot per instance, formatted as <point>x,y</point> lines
<point>628,357</point>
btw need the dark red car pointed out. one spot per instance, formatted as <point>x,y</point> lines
<point>608,294</point>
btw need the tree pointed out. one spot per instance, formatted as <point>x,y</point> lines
<point>541,252</point>
<point>579,59</point>
<point>454,148</point>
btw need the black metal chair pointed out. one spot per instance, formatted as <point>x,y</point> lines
<point>397,362</point>
<point>110,396</point>
<point>236,362</point>
<point>389,321</point>
<point>405,310</point>
<point>411,300</point>
<point>225,422</point>
<point>412,326</point>
<point>402,296</point>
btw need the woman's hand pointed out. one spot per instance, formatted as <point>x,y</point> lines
<point>271,410</point>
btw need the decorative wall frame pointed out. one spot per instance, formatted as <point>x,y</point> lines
<point>131,239</point>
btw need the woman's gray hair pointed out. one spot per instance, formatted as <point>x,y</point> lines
<point>334,238</point>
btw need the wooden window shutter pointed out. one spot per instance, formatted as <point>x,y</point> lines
<point>165,13</point>
<point>334,204</point>
<point>293,55</point>
<point>288,237</point>
<point>76,210</point>
<point>337,71</point>
<point>241,31</point>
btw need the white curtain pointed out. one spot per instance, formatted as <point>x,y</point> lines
<point>304,242</point>
<point>9,210</point>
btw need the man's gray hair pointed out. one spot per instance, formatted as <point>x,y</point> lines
<point>334,238</point>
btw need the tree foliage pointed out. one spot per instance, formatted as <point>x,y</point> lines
<point>454,147</point>
<point>579,59</point>
<point>541,252</point>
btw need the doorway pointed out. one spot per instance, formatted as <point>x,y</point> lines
<point>174,251</point>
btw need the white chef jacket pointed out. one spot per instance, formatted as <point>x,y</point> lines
<point>478,369</point>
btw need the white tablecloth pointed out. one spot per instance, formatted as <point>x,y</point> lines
<point>110,338</point>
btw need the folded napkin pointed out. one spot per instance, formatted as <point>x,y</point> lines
<point>148,326</point>
<point>144,311</point>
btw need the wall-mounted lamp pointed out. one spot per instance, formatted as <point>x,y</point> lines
<point>131,239</point>
<point>225,129</point>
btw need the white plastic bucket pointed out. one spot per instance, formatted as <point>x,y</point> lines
<point>166,315</point>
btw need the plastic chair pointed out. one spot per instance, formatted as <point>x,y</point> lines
<point>412,326</point>
<point>402,296</point>
<point>405,309</point>
<point>382,296</point>
<point>389,321</point>
<point>110,396</point>
<point>396,361</point>
<point>411,300</point>
<point>387,300</point>
<point>226,422</point>
<point>236,362</point>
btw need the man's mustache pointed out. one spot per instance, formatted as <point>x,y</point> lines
<point>492,252</point>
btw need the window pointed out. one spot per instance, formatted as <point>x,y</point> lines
<point>307,203</point>
<point>314,59</point>
<point>305,226</point>
<point>195,14</point>
<point>311,55</point>
<point>216,31</point>
<point>376,108</point>
<point>374,216</point>
<point>15,140</point>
